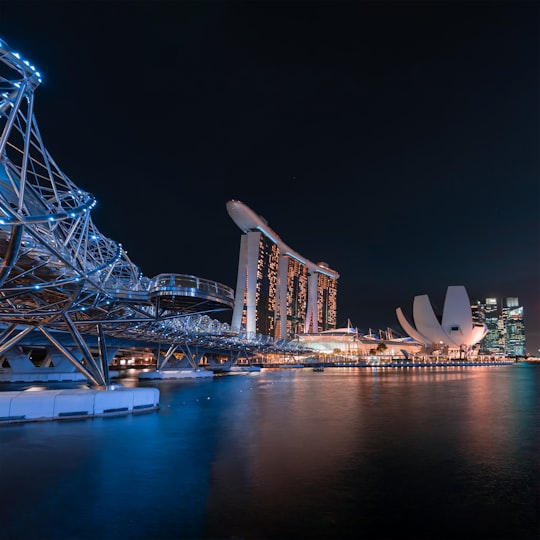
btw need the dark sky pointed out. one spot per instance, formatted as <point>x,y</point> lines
<point>397,141</point>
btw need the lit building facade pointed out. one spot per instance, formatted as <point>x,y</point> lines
<point>278,292</point>
<point>514,328</point>
<point>349,344</point>
<point>506,329</point>
<point>326,301</point>
<point>487,312</point>
<point>296,294</point>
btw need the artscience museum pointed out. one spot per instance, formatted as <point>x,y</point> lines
<point>455,330</point>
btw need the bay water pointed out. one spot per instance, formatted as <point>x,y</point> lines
<point>369,453</point>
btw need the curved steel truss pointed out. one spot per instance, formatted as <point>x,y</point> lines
<point>60,275</point>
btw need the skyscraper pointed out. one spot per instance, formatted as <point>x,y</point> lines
<point>278,292</point>
<point>514,329</point>
<point>506,329</point>
<point>488,313</point>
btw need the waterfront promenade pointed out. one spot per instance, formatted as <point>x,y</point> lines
<point>395,363</point>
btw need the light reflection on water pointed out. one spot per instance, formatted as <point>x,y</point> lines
<point>347,453</point>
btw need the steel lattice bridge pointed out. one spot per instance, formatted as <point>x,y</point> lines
<point>59,276</point>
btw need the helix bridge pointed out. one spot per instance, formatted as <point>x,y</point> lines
<point>63,280</point>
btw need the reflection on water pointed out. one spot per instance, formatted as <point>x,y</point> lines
<point>370,453</point>
<point>383,454</point>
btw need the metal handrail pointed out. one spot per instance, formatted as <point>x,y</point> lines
<point>174,282</point>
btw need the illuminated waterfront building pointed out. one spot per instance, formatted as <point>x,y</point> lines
<point>348,344</point>
<point>278,292</point>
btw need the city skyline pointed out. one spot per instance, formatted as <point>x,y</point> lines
<point>368,135</point>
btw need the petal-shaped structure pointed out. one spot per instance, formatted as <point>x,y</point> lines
<point>457,328</point>
<point>408,327</point>
<point>457,316</point>
<point>478,333</point>
<point>427,323</point>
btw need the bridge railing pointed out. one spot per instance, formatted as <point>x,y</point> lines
<point>163,284</point>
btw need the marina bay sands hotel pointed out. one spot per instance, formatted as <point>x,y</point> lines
<point>279,293</point>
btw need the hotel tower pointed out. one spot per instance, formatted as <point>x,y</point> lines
<point>279,293</point>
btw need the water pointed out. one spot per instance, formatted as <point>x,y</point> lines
<point>441,453</point>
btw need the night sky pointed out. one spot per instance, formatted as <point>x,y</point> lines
<point>396,141</point>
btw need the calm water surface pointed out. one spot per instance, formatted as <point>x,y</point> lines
<point>290,454</point>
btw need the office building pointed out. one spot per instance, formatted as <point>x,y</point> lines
<point>513,335</point>
<point>487,312</point>
<point>506,329</point>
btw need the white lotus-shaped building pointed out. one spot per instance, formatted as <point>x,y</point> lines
<point>455,330</point>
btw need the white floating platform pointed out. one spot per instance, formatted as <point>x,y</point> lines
<point>291,366</point>
<point>244,369</point>
<point>175,374</point>
<point>37,405</point>
<point>232,370</point>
